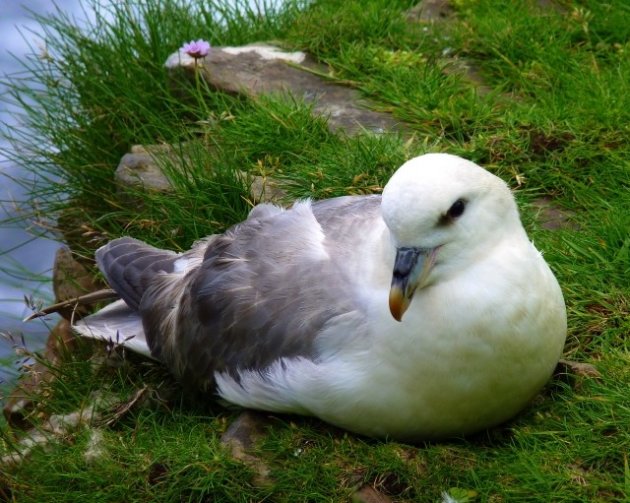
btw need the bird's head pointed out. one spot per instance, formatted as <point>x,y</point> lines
<point>443,212</point>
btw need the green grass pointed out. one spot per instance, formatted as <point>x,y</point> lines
<point>557,123</point>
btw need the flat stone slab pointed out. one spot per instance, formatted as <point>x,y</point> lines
<point>257,69</point>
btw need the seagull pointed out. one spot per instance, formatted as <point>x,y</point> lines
<point>424,313</point>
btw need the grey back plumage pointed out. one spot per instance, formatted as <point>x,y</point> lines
<point>261,291</point>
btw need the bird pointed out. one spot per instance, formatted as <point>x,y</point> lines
<point>421,313</point>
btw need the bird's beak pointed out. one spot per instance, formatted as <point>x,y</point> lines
<point>411,270</point>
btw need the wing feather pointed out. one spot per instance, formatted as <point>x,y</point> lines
<point>263,291</point>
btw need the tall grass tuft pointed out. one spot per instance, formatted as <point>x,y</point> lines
<point>554,124</point>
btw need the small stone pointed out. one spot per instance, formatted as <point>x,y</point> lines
<point>95,448</point>
<point>264,189</point>
<point>241,437</point>
<point>70,280</point>
<point>367,494</point>
<point>143,167</point>
<point>579,368</point>
<point>21,402</point>
<point>57,426</point>
<point>468,71</point>
<point>246,430</point>
<point>430,11</point>
<point>141,170</point>
<point>551,216</point>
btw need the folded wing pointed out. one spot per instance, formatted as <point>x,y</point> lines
<point>242,300</point>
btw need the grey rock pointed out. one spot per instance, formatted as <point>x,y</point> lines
<point>241,437</point>
<point>264,189</point>
<point>367,494</point>
<point>551,216</point>
<point>257,69</point>
<point>145,166</point>
<point>70,280</point>
<point>468,71</point>
<point>141,170</point>
<point>551,5</point>
<point>433,11</point>
<point>430,11</point>
<point>441,11</point>
<point>578,368</point>
<point>248,427</point>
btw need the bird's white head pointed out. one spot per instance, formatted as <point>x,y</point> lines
<point>443,212</point>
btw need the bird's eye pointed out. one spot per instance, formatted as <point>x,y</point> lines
<point>456,209</point>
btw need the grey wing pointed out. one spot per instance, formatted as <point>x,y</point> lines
<point>129,265</point>
<point>264,290</point>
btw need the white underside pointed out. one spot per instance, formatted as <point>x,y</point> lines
<point>433,375</point>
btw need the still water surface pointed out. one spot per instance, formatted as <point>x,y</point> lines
<point>21,255</point>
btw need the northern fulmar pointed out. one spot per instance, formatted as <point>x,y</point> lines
<point>422,313</point>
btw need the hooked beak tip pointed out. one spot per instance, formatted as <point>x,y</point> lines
<point>397,303</point>
<point>411,269</point>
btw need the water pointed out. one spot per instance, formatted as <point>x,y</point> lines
<point>23,258</point>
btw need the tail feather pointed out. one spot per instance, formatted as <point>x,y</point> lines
<point>134,269</point>
<point>118,323</point>
<point>129,264</point>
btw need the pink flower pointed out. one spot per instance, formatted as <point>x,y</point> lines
<point>197,49</point>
